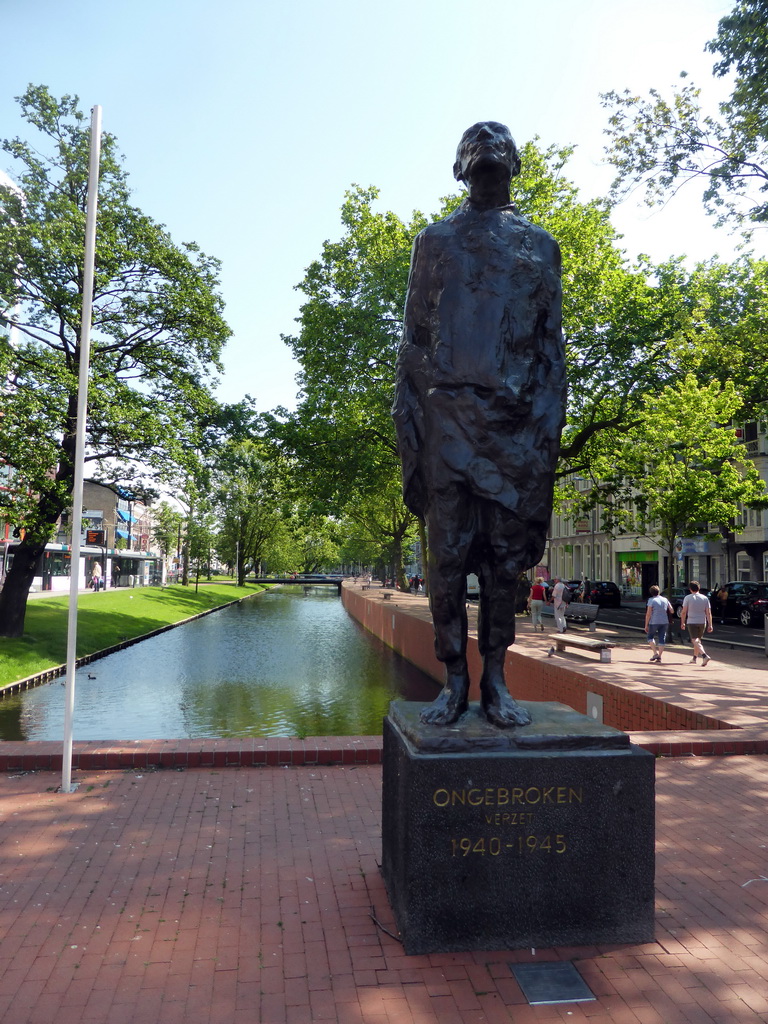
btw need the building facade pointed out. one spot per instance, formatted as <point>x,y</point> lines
<point>115,531</point>
<point>579,549</point>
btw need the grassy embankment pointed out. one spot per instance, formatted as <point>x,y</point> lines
<point>103,620</point>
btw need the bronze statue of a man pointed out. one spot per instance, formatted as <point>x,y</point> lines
<point>479,408</point>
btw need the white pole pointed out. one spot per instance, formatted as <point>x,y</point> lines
<point>82,410</point>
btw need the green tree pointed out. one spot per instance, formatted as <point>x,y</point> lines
<point>341,435</point>
<point>661,143</point>
<point>167,528</point>
<point>314,541</point>
<point>722,325</point>
<point>252,505</point>
<point>384,519</point>
<point>157,330</point>
<point>682,468</point>
<point>200,541</point>
<point>617,319</point>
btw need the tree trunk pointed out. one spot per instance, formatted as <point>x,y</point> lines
<point>397,558</point>
<point>13,597</point>
<point>185,564</point>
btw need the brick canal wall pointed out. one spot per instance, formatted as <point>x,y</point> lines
<point>656,725</point>
<point>543,679</point>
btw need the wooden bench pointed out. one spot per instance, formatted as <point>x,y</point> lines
<point>577,612</point>
<point>582,643</point>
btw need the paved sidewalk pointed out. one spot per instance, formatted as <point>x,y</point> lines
<point>249,895</point>
<point>732,688</point>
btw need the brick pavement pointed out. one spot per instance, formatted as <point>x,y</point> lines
<point>247,894</point>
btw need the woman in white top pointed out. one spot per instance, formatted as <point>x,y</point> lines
<point>657,621</point>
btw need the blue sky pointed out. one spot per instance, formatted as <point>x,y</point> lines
<point>243,122</point>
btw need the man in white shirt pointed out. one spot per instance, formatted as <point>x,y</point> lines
<point>558,602</point>
<point>697,616</point>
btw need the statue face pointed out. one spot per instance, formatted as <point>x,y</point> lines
<point>487,145</point>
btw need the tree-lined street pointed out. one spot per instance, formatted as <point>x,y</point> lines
<point>665,358</point>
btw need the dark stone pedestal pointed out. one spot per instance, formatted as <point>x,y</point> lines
<point>499,839</point>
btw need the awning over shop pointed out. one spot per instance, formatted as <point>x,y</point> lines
<point>127,517</point>
<point>637,556</point>
<point>122,533</point>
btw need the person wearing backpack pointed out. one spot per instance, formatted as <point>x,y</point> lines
<point>559,603</point>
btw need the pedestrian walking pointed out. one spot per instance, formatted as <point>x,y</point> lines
<point>697,616</point>
<point>559,604</point>
<point>657,619</point>
<point>536,599</point>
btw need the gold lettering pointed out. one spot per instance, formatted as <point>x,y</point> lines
<point>502,797</point>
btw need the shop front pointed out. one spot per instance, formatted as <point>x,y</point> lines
<point>638,571</point>
<point>701,560</point>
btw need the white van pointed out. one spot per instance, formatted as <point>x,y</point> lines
<point>473,586</point>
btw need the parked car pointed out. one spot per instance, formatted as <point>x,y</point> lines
<point>754,606</point>
<point>473,586</point>
<point>676,596</point>
<point>605,593</point>
<point>747,601</point>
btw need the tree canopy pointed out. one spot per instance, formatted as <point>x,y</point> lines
<point>617,322</point>
<point>682,471</point>
<point>660,143</point>
<point>157,330</point>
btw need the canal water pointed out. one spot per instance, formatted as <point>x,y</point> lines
<point>285,663</point>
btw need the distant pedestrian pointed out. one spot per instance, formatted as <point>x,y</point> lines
<point>96,576</point>
<point>722,602</point>
<point>657,618</point>
<point>536,600</point>
<point>559,604</point>
<point>697,616</point>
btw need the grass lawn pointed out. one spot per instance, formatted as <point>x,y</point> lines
<point>104,619</point>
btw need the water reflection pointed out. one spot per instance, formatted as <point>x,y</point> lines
<point>283,664</point>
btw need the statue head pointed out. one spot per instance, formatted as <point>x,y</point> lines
<point>486,147</point>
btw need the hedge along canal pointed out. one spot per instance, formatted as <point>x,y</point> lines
<point>288,663</point>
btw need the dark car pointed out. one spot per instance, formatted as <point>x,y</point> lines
<point>736,603</point>
<point>753,606</point>
<point>746,600</point>
<point>605,593</point>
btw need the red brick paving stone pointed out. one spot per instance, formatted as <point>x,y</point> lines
<point>134,866</point>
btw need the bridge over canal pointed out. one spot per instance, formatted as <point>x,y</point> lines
<point>301,581</point>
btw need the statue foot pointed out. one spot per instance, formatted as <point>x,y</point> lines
<point>450,704</point>
<point>500,707</point>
